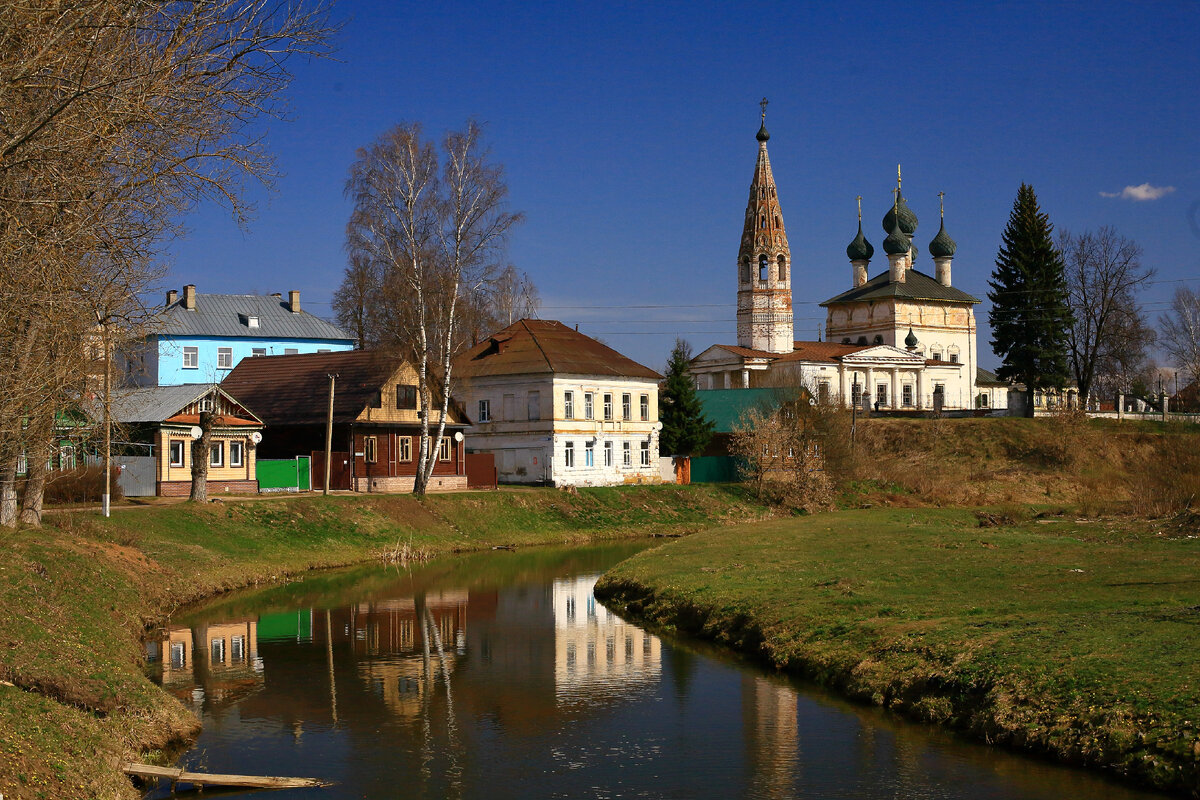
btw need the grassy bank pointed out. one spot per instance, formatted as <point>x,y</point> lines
<point>76,596</point>
<point>1072,638</point>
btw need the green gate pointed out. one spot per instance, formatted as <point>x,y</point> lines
<point>284,475</point>
<point>714,469</point>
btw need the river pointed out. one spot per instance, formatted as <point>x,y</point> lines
<point>497,675</point>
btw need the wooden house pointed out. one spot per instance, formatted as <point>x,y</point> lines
<point>376,418</point>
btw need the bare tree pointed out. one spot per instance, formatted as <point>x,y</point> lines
<point>1104,273</point>
<point>356,300</point>
<point>431,240</point>
<point>1180,332</point>
<point>116,117</point>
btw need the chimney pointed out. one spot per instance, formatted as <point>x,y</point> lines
<point>172,297</point>
<point>294,301</point>
<point>189,297</point>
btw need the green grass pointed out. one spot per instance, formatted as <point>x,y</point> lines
<point>1071,638</point>
<point>76,596</point>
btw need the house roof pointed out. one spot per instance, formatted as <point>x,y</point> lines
<point>535,346</point>
<point>229,315</point>
<point>916,286</point>
<point>167,404</point>
<point>801,351</point>
<point>983,376</point>
<point>724,407</point>
<point>294,390</point>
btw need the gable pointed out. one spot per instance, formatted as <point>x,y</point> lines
<point>883,352</point>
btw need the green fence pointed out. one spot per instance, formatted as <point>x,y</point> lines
<point>285,474</point>
<point>714,469</point>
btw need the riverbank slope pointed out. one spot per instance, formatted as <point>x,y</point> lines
<point>1071,638</point>
<point>76,596</point>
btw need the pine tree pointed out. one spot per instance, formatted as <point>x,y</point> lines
<point>685,430</point>
<point>1030,314</point>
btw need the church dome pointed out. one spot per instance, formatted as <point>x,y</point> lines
<point>942,245</point>
<point>900,211</point>
<point>860,249</point>
<point>896,242</point>
<point>910,341</point>
<point>762,134</point>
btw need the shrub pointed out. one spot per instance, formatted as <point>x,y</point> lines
<point>80,485</point>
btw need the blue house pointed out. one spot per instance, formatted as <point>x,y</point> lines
<point>202,337</point>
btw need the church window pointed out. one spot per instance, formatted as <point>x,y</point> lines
<point>762,221</point>
<point>936,355</point>
<point>746,269</point>
<point>856,393</point>
<point>881,394</point>
<point>782,269</point>
<point>778,224</point>
<point>878,339</point>
<point>907,394</point>
<point>762,268</point>
<point>954,358</point>
<point>823,392</point>
<point>846,340</point>
<point>861,340</point>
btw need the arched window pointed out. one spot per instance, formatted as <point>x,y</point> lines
<point>846,340</point>
<point>862,340</point>
<point>762,221</point>
<point>878,339</point>
<point>746,277</point>
<point>762,268</point>
<point>782,269</point>
<point>778,224</point>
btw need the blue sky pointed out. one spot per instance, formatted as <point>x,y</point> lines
<point>627,135</point>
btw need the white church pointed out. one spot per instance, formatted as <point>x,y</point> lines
<point>901,340</point>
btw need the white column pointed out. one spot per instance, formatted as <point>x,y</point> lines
<point>843,386</point>
<point>895,398</point>
<point>871,386</point>
<point>745,379</point>
<point>920,388</point>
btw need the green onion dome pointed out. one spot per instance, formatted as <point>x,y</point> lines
<point>942,245</point>
<point>762,134</point>
<point>910,341</point>
<point>860,249</point>
<point>900,211</point>
<point>896,242</point>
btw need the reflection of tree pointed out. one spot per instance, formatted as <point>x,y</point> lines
<point>683,667</point>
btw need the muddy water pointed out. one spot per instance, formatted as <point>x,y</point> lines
<point>499,676</point>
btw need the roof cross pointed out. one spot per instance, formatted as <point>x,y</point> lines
<point>942,204</point>
<point>763,103</point>
<point>897,177</point>
<point>860,209</point>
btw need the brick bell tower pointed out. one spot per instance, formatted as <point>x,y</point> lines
<point>764,297</point>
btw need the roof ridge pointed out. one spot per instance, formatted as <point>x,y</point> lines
<point>542,350</point>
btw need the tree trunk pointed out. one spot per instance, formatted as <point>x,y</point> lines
<point>200,456</point>
<point>35,484</point>
<point>8,491</point>
<point>1029,402</point>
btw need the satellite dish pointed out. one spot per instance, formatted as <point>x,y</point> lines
<point>256,437</point>
<point>196,432</point>
<point>458,437</point>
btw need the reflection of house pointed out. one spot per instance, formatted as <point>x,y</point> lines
<point>376,418</point>
<point>772,735</point>
<point>203,336</point>
<point>597,655</point>
<point>216,662</point>
<point>165,417</point>
<point>555,406</point>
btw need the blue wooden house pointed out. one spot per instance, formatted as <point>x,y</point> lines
<point>202,337</point>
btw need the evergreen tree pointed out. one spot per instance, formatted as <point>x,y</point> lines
<point>1030,314</point>
<point>685,430</point>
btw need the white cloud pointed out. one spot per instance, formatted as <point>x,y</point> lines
<point>1143,192</point>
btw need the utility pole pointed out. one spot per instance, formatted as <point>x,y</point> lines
<point>329,430</point>
<point>106,501</point>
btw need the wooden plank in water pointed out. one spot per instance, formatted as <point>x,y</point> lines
<point>206,779</point>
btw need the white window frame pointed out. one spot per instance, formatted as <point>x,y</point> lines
<point>217,450</point>
<point>906,393</point>
<point>627,407</point>
<point>485,411</point>
<point>644,406</point>
<point>258,352</point>
<point>404,447</point>
<point>224,358</point>
<point>608,406</point>
<point>238,448</point>
<point>645,459</point>
<point>444,449</point>
<point>589,405</point>
<point>291,351</point>
<point>177,445</point>
<point>191,357</point>
<point>608,454</point>
<point>569,455</point>
<point>568,405</point>
<point>589,453</point>
<point>881,393</point>
<point>627,455</point>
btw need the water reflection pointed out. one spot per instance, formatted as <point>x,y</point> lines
<point>501,677</point>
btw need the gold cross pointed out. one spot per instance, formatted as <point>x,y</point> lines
<point>897,176</point>
<point>860,208</point>
<point>942,204</point>
<point>764,109</point>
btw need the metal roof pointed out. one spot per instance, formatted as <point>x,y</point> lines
<point>229,315</point>
<point>534,346</point>
<point>916,286</point>
<point>724,407</point>
<point>158,403</point>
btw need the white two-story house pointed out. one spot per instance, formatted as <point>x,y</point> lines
<point>560,408</point>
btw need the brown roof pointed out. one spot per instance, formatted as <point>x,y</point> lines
<point>532,346</point>
<point>294,390</point>
<point>801,351</point>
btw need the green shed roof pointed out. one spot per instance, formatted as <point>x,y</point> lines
<point>725,406</point>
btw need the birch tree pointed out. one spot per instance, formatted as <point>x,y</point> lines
<point>1180,331</point>
<point>433,236</point>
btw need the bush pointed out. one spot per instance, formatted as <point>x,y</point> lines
<point>80,485</point>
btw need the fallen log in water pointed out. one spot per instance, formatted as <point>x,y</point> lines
<point>177,775</point>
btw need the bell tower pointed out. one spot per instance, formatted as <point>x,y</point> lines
<point>764,297</point>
